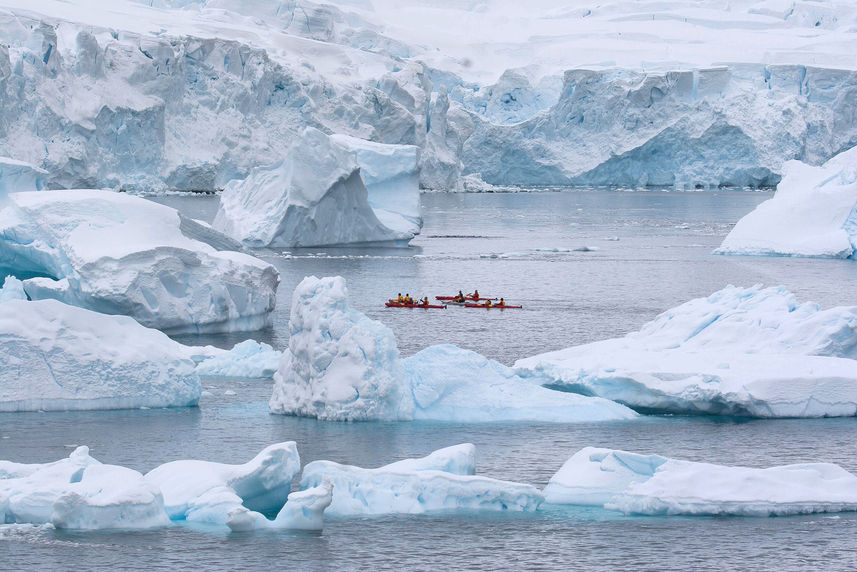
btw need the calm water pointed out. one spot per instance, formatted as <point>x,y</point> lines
<point>646,252</point>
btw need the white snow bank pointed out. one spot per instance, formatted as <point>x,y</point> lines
<point>813,213</point>
<point>18,176</point>
<point>206,492</point>
<point>246,359</point>
<point>341,365</point>
<point>120,254</point>
<point>316,196</point>
<point>741,351</point>
<point>78,493</point>
<point>59,357</point>
<point>418,486</point>
<point>654,485</point>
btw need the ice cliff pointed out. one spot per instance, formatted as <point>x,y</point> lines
<point>326,191</point>
<point>741,351</point>
<point>341,365</point>
<point>655,485</point>
<point>193,94</point>
<point>813,213</point>
<point>18,176</point>
<point>118,254</point>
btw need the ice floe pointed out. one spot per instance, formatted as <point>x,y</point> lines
<point>655,485</point>
<point>741,351</point>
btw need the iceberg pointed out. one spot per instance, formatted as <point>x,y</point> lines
<point>18,176</point>
<point>246,359</point>
<point>79,493</point>
<point>813,213</point>
<point>741,351</point>
<point>655,485</point>
<point>206,492</point>
<point>119,254</point>
<point>316,196</point>
<point>59,357</point>
<point>341,365</point>
<point>419,486</point>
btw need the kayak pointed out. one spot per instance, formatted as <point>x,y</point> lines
<point>402,305</point>
<point>491,307</point>
<point>468,298</point>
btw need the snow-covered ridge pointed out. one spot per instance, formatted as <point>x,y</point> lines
<point>741,351</point>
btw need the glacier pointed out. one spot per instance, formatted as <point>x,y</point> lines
<point>317,196</point>
<point>535,97</point>
<point>119,254</point>
<point>341,365</point>
<point>655,485</point>
<point>813,213</point>
<point>18,176</point>
<point>59,357</point>
<point>442,481</point>
<point>741,351</point>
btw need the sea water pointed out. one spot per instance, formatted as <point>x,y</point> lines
<point>585,265</point>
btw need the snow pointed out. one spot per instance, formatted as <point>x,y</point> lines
<point>341,365</point>
<point>59,357</point>
<point>741,351</point>
<point>20,176</point>
<point>418,486</point>
<point>119,254</point>
<point>206,492</point>
<point>246,359</point>
<point>316,196</point>
<point>78,493</point>
<point>655,485</point>
<point>813,213</point>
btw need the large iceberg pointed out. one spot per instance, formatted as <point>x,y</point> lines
<point>120,254</point>
<point>341,365</point>
<point>741,351</point>
<point>813,213</point>
<point>316,196</point>
<point>442,481</point>
<point>655,485</point>
<point>78,493</point>
<point>18,176</point>
<point>59,357</point>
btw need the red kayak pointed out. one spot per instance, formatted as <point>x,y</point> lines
<point>491,307</point>
<point>403,305</point>
<point>469,298</point>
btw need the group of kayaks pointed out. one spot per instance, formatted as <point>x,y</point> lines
<point>469,300</point>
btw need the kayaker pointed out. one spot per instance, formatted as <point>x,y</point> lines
<point>400,300</point>
<point>460,297</point>
<point>502,302</point>
<point>487,303</point>
<point>408,299</point>
<point>476,294</point>
<point>425,301</point>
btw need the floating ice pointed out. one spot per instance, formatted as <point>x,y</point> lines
<point>654,485</point>
<point>340,365</point>
<point>246,359</point>
<point>813,213</point>
<point>59,357</point>
<point>16,176</point>
<point>206,492</point>
<point>119,254</point>
<point>741,351</point>
<point>418,486</point>
<point>78,493</point>
<point>316,196</point>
